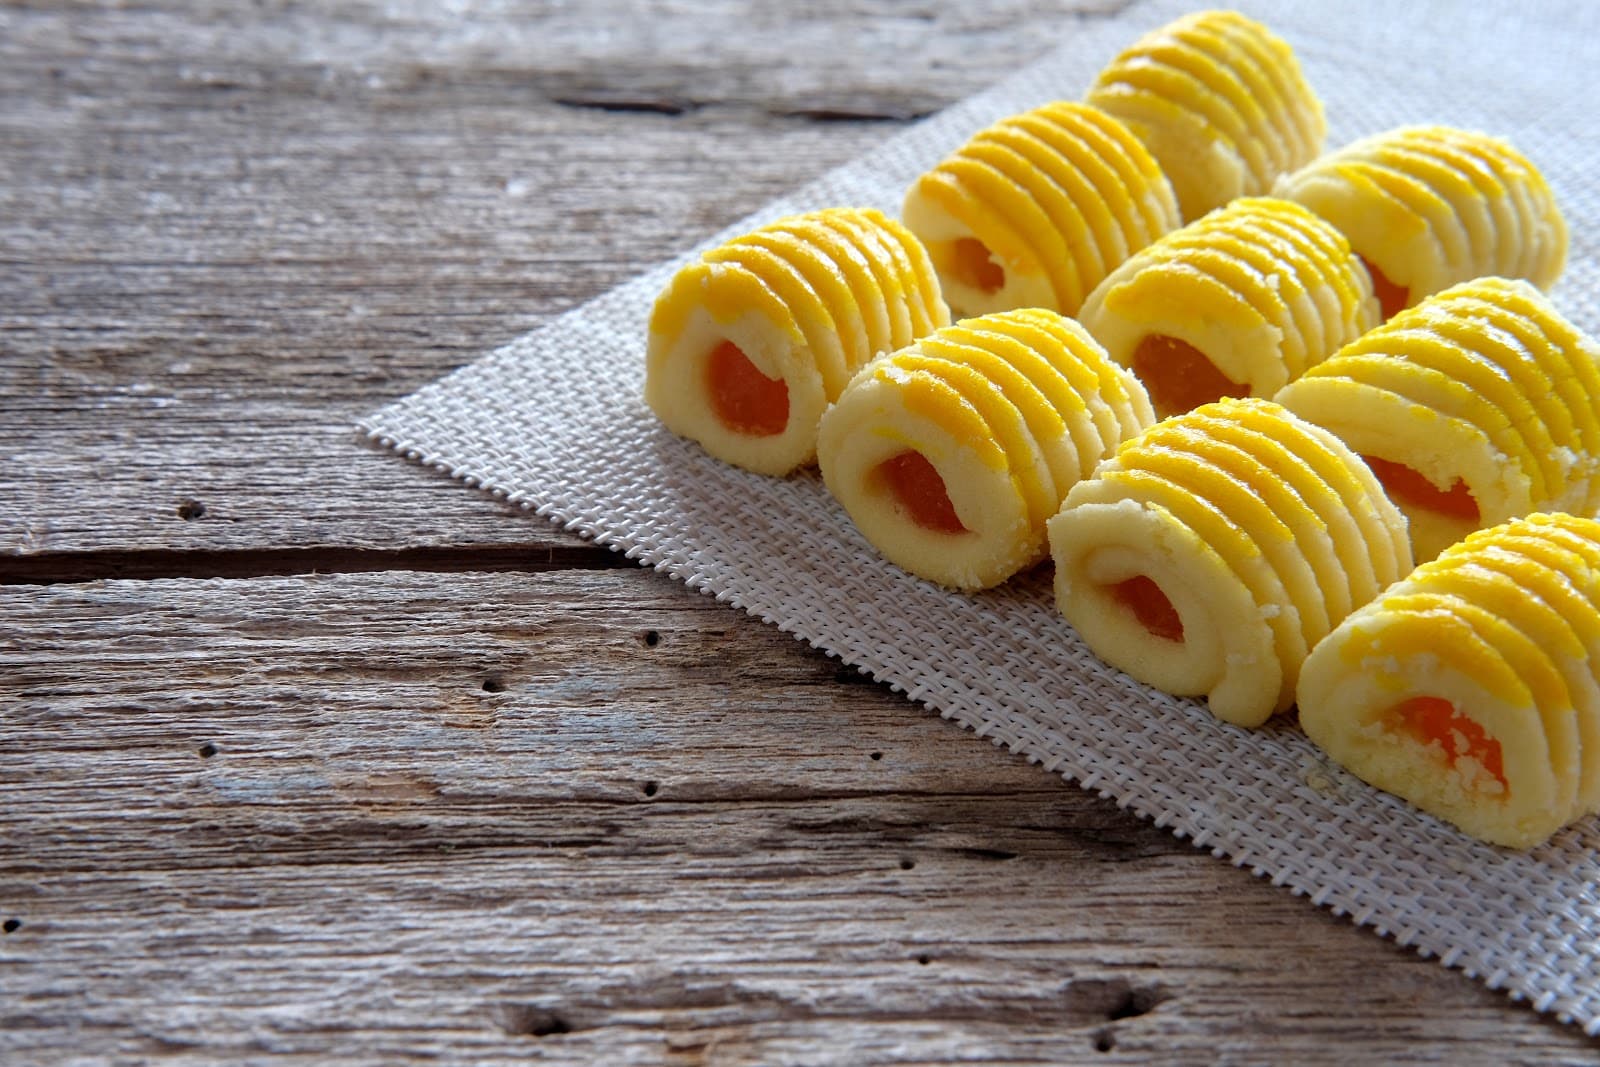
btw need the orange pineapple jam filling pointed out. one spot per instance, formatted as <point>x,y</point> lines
<point>919,489</point>
<point>1406,485</point>
<point>1392,298</point>
<point>746,400</point>
<point>1434,719</point>
<point>1179,377</point>
<point>1143,597</point>
<point>969,263</point>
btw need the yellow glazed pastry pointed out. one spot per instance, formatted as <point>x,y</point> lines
<point>1213,552</point>
<point>1238,303</point>
<point>1429,206</point>
<point>751,342</point>
<point>1220,102</point>
<point>1036,209</point>
<point>950,454</point>
<point>1473,407</point>
<point>1470,688</point>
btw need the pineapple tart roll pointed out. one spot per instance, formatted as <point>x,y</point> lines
<point>1470,688</point>
<point>1212,553</point>
<point>1238,303</point>
<point>1220,102</point>
<point>1429,206</point>
<point>751,342</point>
<point>1472,408</point>
<point>952,453</point>
<point>1036,209</point>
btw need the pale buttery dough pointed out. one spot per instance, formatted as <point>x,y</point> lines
<point>1429,206</point>
<point>1470,688</point>
<point>1212,552</point>
<point>952,453</point>
<point>1473,407</point>
<point>751,342</point>
<point>1221,103</point>
<point>1034,210</point>
<point>1238,303</point>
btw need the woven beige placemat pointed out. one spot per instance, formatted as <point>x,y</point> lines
<point>554,422</point>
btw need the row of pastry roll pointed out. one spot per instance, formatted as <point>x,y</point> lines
<point>1074,207</point>
<point>1470,409</point>
<point>1036,210</point>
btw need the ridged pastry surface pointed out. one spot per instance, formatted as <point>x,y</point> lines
<point>1212,553</point>
<point>1238,303</point>
<point>1427,207</point>
<point>1221,103</point>
<point>1034,210</point>
<point>751,342</point>
<point>1470,688</point>
<point>1474,407</point>
<point>952,453</point>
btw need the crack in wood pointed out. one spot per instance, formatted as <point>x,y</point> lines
<point>629,105</point>
<point>65,568</point>
<point>851,114</point>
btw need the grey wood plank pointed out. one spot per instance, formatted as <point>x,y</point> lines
<point>225,233</point>
<point>594,817</point>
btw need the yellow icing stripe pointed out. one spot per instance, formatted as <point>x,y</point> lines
<point>1006,425</point>
<point>1232,107</point>
<point>1288,454</point>
<point>1548,389</point>
<point>1232,544</point>
<point>921,278</point>
<point>908,314</point>
<point>1108,139</point>
<point>1555,343</point>
<point>825,279</point>
<point>809,309</point>
<point>1027,393</point>
<point>1065,234</point>
<point>1268,507</point>
<point>1100,199</point>
<point>871,302</point>
<point>931,397</point>
<point>1026,224</point>
<point>1255,67</point>
<point>1082,364</point>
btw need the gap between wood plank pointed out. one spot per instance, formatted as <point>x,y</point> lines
<point>60,568</point>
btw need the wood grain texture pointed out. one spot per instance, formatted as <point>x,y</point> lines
<point>579,815</point>
<point>228,233</point>
<point>310,756</point>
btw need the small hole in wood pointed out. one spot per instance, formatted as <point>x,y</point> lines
<point>876,756</point>
<point>924,959</point>
<point>650,789</point>
<point>11,926</point>
<point>651,639</point>
<point>907,863</point>
<point>189,510</point>
<point>1105,1041</point>
<point>1134,1003</point>
<point>494,684</point>
<point>532,1021</point>
<point>207,750</point>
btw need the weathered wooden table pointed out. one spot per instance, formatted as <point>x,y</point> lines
<point>307,755</point>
